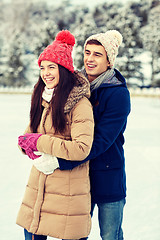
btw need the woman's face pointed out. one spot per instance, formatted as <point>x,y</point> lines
<point>49,72</point>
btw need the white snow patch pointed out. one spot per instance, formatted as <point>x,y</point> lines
<point>142,151</point>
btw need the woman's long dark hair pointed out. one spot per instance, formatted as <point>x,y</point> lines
<point>67,81</point>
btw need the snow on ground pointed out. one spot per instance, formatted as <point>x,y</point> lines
<point>142,150</point>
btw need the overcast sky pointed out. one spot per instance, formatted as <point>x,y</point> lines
<point>95,2</point>
<point>92,2</point>
<point>77,2</point>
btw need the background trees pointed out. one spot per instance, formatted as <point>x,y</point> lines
<point>27,27</point>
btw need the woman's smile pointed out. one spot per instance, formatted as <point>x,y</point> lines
<point>49,73</point>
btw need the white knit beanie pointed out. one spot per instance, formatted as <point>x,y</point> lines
<point>110,40</point>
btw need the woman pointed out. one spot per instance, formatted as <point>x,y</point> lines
<point>57,203</point>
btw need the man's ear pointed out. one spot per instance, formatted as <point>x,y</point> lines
<point>108,65</point>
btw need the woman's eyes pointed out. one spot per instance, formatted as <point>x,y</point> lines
<point>48,68</point>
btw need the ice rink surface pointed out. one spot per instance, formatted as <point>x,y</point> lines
<point>142,152</point>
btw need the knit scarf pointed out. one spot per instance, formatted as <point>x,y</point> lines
<point>47,94</point>
<point>106,77</point>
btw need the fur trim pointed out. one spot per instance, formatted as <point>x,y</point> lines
<point>82,89</point>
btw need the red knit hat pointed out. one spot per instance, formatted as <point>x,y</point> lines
<point>60,51</point>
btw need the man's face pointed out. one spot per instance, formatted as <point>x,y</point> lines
<point>95,61</point>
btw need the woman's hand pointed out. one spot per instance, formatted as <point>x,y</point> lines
<point>28,142</point>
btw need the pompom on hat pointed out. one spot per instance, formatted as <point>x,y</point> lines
<point>110,40</point>
<point>60,51</point>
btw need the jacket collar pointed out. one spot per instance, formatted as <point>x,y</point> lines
<point>120,79</point>
<point>82,89</point>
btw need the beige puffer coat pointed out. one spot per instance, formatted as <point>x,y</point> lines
<point>58,205</point>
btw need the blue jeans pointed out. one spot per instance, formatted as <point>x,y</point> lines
<point>110,216</point>
<point>30,236</point>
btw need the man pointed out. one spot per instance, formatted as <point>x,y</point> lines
<point>111,106</point>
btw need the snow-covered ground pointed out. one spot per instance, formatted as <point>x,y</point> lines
<point>142,150</point>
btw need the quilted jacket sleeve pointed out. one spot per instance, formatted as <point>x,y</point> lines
<point>82,128</point>
<point>109,126</point>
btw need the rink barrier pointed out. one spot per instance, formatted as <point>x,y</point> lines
<point>145,92</point>
<point>16,90</point>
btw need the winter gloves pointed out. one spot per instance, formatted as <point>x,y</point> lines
<point>28,142</point>
<point>43,162</point>
<point>46,163</point>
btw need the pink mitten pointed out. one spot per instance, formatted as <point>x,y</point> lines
<point>31,154</point>
<point>28,142</point>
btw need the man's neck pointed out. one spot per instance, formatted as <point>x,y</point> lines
<point>91,78</point>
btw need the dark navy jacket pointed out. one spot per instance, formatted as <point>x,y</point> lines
<point>111,106</point>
